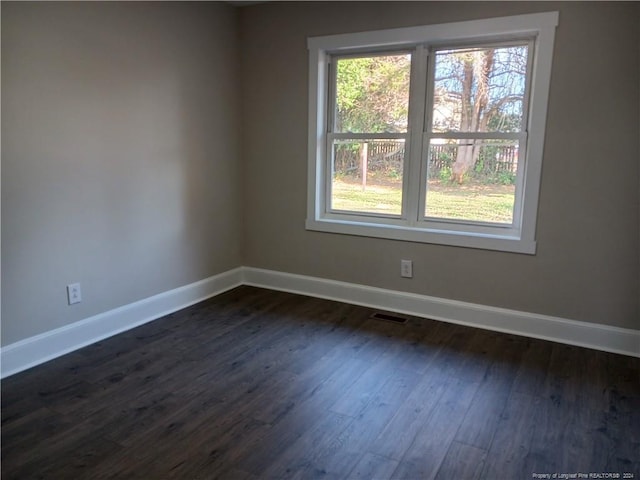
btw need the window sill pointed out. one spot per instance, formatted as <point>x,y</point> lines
<point>501,243</point>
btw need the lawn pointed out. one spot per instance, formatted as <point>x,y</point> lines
<point>489,203</point>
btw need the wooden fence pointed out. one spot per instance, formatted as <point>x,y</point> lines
<point>382,156</point>
<point>386,157</point>
<point>493,159</point>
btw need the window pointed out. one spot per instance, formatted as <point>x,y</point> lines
<point>431,134</point>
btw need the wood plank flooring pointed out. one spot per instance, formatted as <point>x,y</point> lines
<point>262,384</point>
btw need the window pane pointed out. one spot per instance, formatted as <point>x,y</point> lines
<point>479,89</point>
<point>367,176</point>
<point>372,94</point>
<point>472,180</point>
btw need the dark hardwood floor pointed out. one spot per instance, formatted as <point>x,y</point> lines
<point>263,384</point>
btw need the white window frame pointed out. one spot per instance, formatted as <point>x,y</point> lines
<point>412,226</point>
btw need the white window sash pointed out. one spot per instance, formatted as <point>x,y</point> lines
<point>538,29</point>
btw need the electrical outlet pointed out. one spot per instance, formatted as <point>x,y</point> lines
<point>406,268</point>
<point>74,294</point>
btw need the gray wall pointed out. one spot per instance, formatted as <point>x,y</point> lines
<point>136,160</point>
<point>586,267</point>
<point>119,154</point>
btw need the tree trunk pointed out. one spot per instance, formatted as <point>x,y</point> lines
<point>467,157</point>
<point>364,160</point>
<point>478,66</point>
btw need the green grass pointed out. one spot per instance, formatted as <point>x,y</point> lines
<point>488,203</point>
<point>376,198</point>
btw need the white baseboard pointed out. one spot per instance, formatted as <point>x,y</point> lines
<point>584,334</point>
<point>38,349</point>
<point>41,348</point>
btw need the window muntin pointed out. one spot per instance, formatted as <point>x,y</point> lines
<point>526,137</point>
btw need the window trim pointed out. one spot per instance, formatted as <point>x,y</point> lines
<point>411,226</point>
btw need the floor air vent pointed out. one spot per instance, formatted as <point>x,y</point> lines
<point>389,317</point>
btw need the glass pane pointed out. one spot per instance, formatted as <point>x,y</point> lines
<point>372,94</point>
<point>479,89</point>
<point>367,176</point>
<point>472,180</point>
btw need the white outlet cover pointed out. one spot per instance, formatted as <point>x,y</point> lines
<point>406,268</point>
<point>74,293</point>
